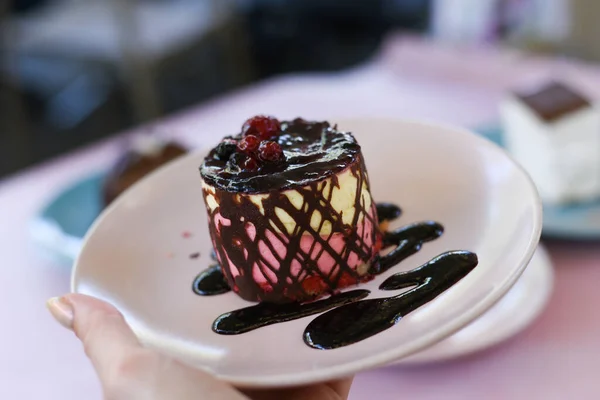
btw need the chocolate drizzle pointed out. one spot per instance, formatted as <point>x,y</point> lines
<point>387,212</point>
<point>263,314</point>
<point>313,151</point>
<point>356,319</point>
<point>360,320</point>
<point>252,240</point>
<point>408,240</point>
<point>210,282</point>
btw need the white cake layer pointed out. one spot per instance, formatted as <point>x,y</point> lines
<point>562,157</point>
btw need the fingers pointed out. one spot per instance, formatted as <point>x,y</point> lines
<point>126,369</point>
<point>105,335</point>
<point>334,390</point>
<point>341,387</point>
<point>129,371</point>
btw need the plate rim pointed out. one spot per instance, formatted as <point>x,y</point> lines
<point>377,360</point>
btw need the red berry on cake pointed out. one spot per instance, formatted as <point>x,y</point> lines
<point>270,151</point>
<point>249,144</point>
<point>262,126</point>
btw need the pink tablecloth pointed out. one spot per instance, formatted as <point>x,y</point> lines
<point>553,359</point>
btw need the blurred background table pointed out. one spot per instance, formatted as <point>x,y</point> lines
<point>555,358</point>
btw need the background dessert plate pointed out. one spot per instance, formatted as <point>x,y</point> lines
<point>58,229</point>
<point>513,313</point>
<point>575,222</point>
<point>147,247</point>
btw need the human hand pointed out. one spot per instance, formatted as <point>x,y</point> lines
<point>129,371</point>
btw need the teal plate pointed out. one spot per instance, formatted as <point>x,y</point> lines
<point>60,226</point>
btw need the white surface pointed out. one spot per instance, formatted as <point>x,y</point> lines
<point>523,303</point>
<point>486,203</point>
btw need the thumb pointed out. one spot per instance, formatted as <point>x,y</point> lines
<point>100,327</point>
<point>126,369</point>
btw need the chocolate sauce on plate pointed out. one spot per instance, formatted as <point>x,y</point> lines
<point>360,320</point>
<point>350,318</point>
<point>263,314</point>
<point>210,282</point>
<point>408,240</point>
<point>388,212</point>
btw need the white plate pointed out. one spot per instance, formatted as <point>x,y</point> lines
<point>512,314</point>
<point>135,256</point>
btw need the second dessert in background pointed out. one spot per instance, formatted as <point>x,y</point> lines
<point>146,154</point>
<point>554,132</point>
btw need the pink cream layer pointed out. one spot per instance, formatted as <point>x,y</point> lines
<point>274,249</point>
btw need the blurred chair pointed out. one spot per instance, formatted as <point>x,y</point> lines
<point>325,35</point>
<point>78,56</point>
<point>582,40</point>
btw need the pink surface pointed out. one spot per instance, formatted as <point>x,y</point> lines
<point>556,358</point>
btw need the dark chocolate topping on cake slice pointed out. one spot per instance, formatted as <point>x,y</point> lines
<point>554,101</point>
<point>133,165</point>
<point>312,151</point>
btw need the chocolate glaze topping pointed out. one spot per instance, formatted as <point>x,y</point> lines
<point>313,151</point>
<point>554,101</point>
<point>133,166</point>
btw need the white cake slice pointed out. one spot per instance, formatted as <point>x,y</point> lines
<point>554,133</point>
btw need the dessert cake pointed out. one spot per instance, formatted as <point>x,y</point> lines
<point>146,154</point>
<point>289,210</point>
<point>553,131</point>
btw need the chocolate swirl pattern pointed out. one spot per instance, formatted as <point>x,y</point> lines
<point>299,245</point>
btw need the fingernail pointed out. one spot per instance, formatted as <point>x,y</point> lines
<point>61,310</point>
